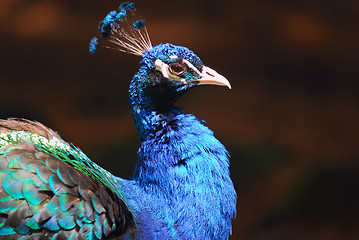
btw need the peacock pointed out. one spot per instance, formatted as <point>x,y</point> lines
<point>181,186</point>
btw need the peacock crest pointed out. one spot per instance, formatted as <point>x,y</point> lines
<point>123,30</point>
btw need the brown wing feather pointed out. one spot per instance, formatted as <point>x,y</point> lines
<point>19,124</point>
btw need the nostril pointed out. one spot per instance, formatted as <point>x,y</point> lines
<point>210,74</point>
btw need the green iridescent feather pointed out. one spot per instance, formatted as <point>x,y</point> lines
<point>67,153</point>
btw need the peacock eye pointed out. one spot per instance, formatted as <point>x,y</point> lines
<point>177,69</point>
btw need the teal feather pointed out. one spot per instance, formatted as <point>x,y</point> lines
<point>8,206</point>
<point>80,222</point>
<point>67,201</point>
<point>14,164</point>
<point>74,176</point>
<point>26,237</point>
<point>98,226</point>
<point>43,172</point>
<point>89,211</point>
<point>87,220</point>
<point>32,168</point>
<point>21,175</point>
<point>33,222</point>
<point>98,231</point>
<point>106,227</point>
<point>36,180</point>
<point>56,186</point>
<point>6,230</point>
<point>45,188</point>
<point>4,197</point>
<point>25,159</point>
<point>59,235</point>
<point>22,229</point>
<point>90,235</point>
<point>52,224</point>
<point>45,213</point>
<point>64,177</point>
<point>55,237</point>
<point>53,164</point>
<point>67,222</point>
<point>86,193</point>
<point>32,196</point>
<point>74,191</point>
<point>73,236</point>
<point>12,187</point>
<point>80,211</point>
<point>97,204</point>
<point>53,204</point>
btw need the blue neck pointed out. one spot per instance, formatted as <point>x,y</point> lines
<point>147,120</point>
<point>181,161</point>
<point>171,139</point>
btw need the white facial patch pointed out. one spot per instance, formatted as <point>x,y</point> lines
<point>164,69</point>
<point>190,65</point>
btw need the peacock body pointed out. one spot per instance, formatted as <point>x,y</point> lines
<point>181,187</point>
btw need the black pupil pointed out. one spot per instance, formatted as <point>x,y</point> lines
<point>176,68</point>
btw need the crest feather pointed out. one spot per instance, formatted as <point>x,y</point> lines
<point>123,30</point>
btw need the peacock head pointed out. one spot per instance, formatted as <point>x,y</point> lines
<point>167,71</point>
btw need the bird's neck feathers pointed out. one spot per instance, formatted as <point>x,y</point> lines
<point>179,146</point>
<point>186,168</point>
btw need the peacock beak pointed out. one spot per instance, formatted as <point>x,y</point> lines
<point>211,77</point>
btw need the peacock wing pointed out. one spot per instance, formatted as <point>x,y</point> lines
<point>44,197</point>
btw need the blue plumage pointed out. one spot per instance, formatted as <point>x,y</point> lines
<point>181,187</point>
<point>188,167</point>
<point>93,45</point>
<point>139,24</point>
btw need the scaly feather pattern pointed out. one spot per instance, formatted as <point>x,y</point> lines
<point>181,187</point>
<point>43,197</point>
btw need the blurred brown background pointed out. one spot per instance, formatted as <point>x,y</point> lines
<point>290,122</point>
